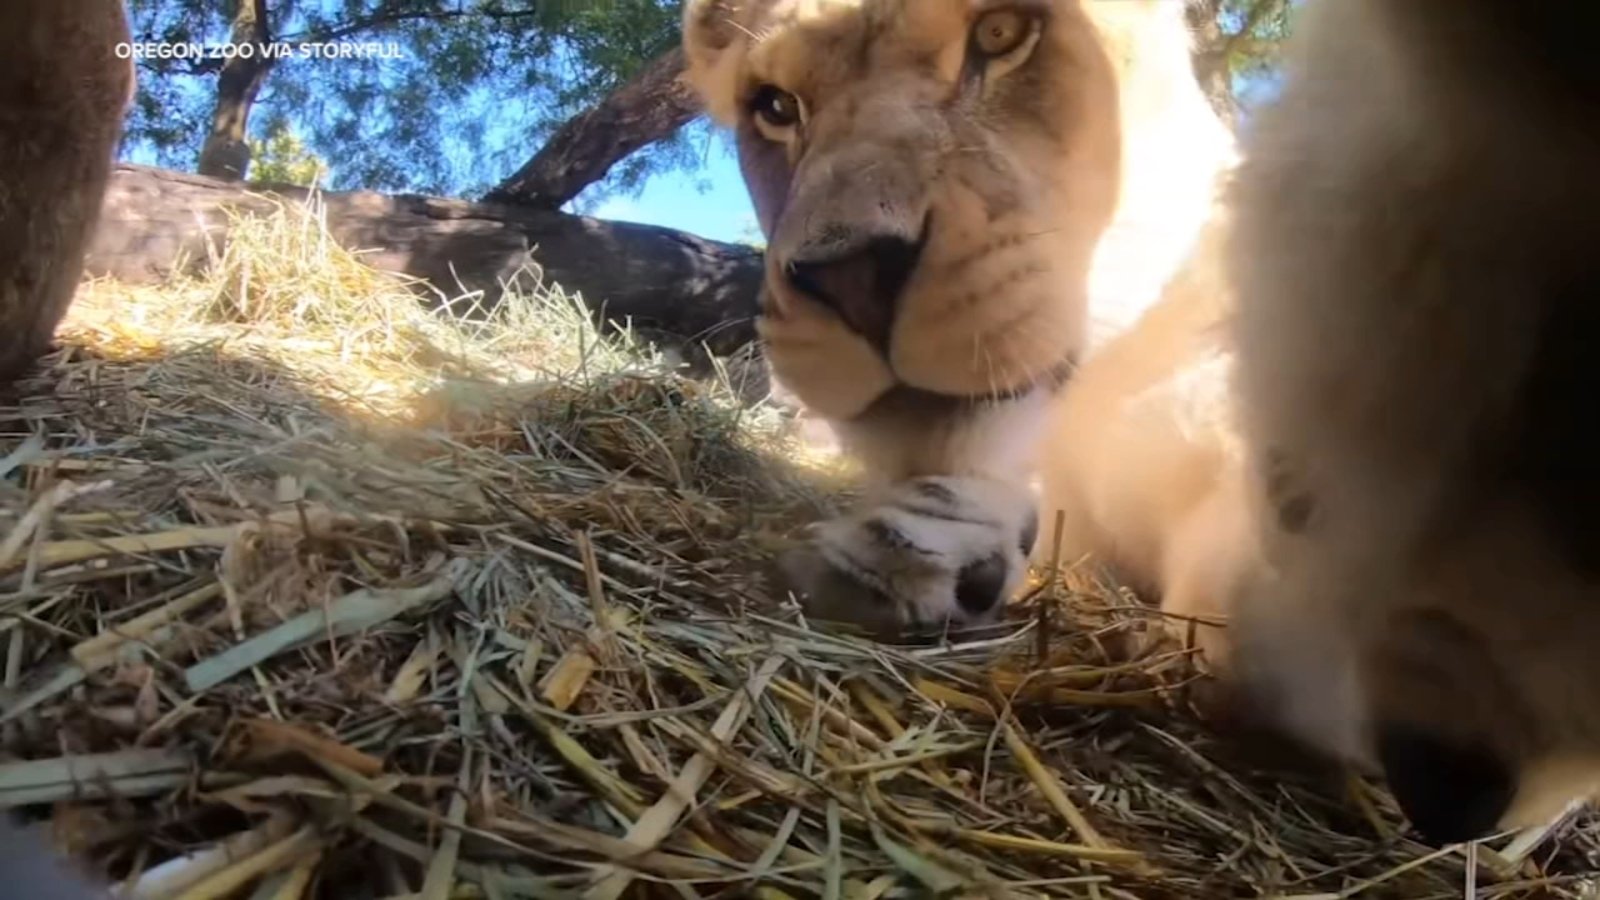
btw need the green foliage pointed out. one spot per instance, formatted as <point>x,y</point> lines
<point>475,86</point>
<point>472,89</point>
<point>1254,33</point>
<point>280,157</point>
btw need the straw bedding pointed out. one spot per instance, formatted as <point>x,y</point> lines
<point>310,592</point>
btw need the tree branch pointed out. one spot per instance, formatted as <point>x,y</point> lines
<point>226,154</point>
<point>649,107</point>
<point>666,283</point>
<point>379,20</point>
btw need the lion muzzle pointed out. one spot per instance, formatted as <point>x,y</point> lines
<point>862,282</point>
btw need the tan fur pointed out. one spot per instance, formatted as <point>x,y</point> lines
<point>1417,258</point>
<point>1063,192</point>
<point>1144,462</point>
<point>63,94</point>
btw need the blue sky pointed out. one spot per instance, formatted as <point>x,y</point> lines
<point>711,202</point>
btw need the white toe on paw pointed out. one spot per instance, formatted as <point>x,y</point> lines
<point>931,553</point>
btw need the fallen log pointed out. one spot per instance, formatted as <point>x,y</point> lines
<point>667,283</point>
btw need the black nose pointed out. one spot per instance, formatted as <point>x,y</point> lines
<point>862,284</point>
<point>1452,793</point>
<point>979,584</point>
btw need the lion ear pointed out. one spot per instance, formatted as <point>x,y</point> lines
<point>712,29</point>
<point>709,27</point>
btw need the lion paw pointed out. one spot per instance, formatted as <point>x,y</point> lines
<point>932,553</point>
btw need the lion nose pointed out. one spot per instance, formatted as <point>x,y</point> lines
<point>862,284</point>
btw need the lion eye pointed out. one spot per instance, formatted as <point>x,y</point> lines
<point>1000,32</point>
<point>777,107</point>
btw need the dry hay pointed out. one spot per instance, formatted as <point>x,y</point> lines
<point>310,592</point>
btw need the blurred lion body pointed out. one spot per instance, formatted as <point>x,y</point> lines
<point>63,95</point>
<point>1417,258</point>
<point>967,202</point>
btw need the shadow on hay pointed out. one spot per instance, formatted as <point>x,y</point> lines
<point>649,471</point>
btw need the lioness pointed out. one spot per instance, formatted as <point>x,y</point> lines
<point>947,185</point>
<point>955,194</point>
<point>1417,265</point>
<point>64,90</point>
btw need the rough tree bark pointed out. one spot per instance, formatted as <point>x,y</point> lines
<point>649,107</point>
<point>226,154</point>
<point>667,282</point>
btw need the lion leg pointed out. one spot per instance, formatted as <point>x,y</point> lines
<point>1203,565</point>
<point>64,89</point>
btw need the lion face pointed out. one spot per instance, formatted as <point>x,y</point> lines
<point>932,177</point>
<point>943,185</point>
